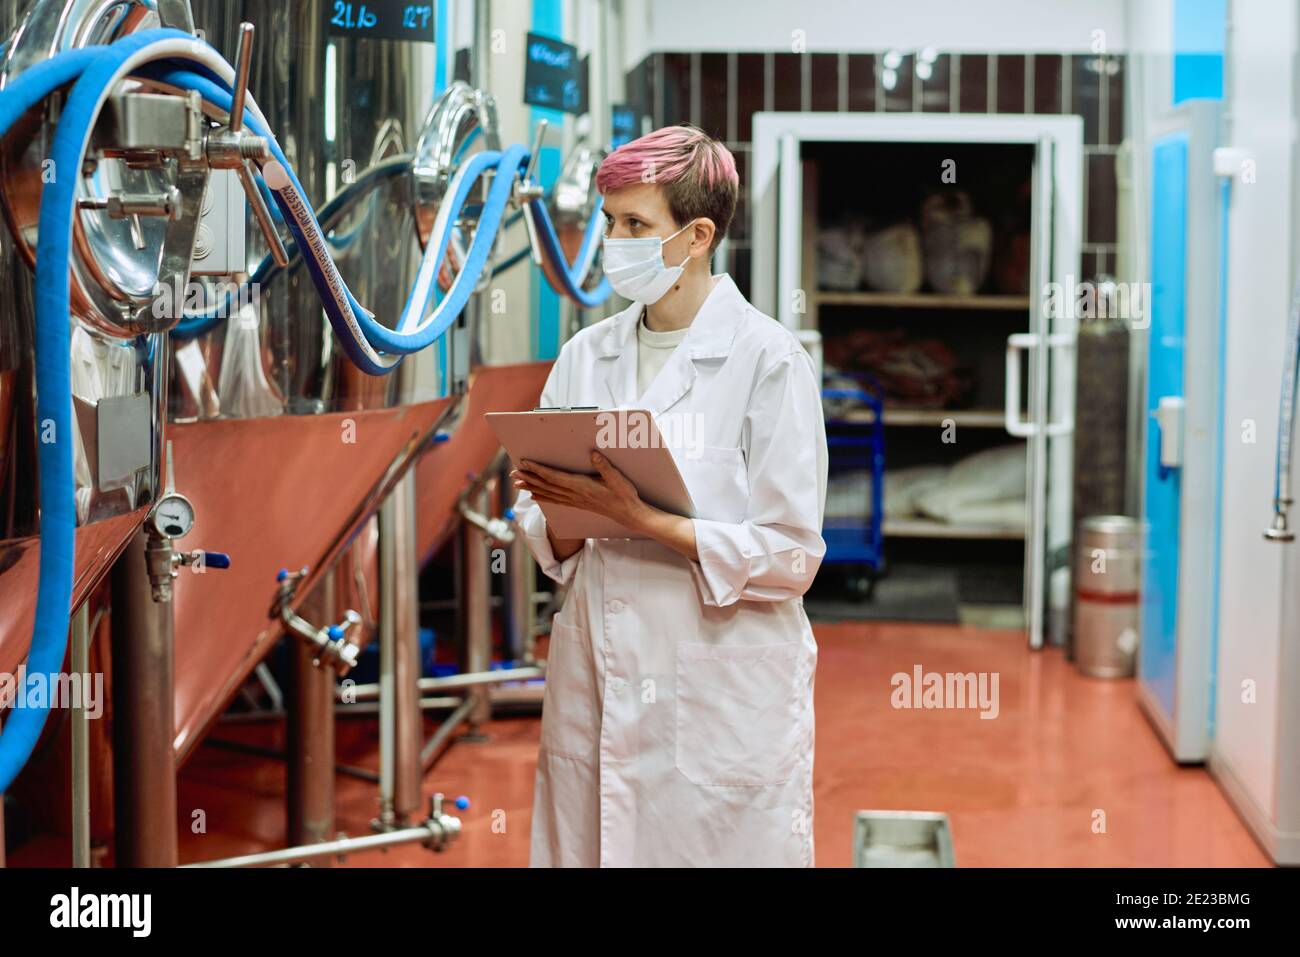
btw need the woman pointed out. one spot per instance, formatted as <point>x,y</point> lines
<point>677,727</point>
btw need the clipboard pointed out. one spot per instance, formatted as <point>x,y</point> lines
<point>565,438</point>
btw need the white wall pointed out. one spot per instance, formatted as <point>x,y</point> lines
<point>847,25</point>
<point>1259,609</point>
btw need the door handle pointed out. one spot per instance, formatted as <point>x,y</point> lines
<point>1017,342</point>
<point>1168,414</point>
<point>1025,342</point>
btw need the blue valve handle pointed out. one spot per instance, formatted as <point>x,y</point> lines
<point>216,560</point>
<point>284,574</point>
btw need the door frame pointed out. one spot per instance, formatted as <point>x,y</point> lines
<point>774,131</point>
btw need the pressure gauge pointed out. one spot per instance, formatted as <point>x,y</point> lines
<point>173,516</point>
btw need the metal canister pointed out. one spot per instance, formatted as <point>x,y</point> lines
<point>1106,596</point>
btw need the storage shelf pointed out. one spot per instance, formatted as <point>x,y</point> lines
<point>970,418</point>
<point>921,300</point>
<point>928,528</point>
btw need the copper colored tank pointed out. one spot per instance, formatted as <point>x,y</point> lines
<point>284,447</point>
<point>444,471</point>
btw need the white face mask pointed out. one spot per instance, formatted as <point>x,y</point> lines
<point>636,267</point>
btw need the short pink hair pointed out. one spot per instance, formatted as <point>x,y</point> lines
<point>697,173</point>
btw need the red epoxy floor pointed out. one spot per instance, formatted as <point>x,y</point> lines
<point>1024,789</point>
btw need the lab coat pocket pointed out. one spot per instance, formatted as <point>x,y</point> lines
<point>737,713</point>
<point>570,712</point>
<point>717,479</point>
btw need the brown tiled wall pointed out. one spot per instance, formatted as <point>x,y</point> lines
<point>720,92</point>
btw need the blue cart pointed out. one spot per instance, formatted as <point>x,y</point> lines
<point>856,444</point>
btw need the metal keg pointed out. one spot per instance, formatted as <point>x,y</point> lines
<point>1106,596</point>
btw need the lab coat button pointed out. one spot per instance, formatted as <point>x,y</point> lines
<point>615,606</point>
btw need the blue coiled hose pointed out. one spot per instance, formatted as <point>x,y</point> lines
<point>58,519</point>
<point>571,276</point>
<point>201,323</point>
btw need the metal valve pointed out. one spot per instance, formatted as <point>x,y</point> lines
<point>232,147</point>
<point>121,205</point>
<point>172,517</point>
<point>526,191</point>
<point>332,644</point>
<point>1280,530</point>
<point>443,828</point>
<point>497,529</point>
<point>339,650</point>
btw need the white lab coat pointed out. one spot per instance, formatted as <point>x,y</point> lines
<point>677,724</point>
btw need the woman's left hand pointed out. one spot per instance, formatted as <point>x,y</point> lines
<point>609,494</point>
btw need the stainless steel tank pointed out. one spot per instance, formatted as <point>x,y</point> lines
<point>118,361</point>
<point>1106,611</point>
<point>283,446</point>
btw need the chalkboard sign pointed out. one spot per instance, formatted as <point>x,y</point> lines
<point>551,74</point>
<point>624,124</point>
<point>584,81</point>
<point>381,19</point>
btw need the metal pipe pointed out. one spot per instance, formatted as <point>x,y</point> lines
<point>144,767</point>
<point>243,747</point>
<point>80,733</point>
<point>370,692</point>
<point>336,848</point>
<point>478,601</point>
<point>344,710</point>
<point>433,748</point>
<point>600,102</point>
<point>401,720</point>
<point>366,708</point>
<point>309,796</point>
<point>1279,530</point>
<point>449,604</point>
<point>480,62</point>
<point>520,583</point>
<point>436,832</point>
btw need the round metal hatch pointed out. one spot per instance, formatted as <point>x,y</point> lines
<point>462,121</point>
<point>115,269</point>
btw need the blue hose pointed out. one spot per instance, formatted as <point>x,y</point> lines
<point>201,323</point>
<point>58,518</point>
<point>394,341</point>
<point>36,83</point>
<point>326,279</point>
<point>569,277</point>
<point>53,347</point>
